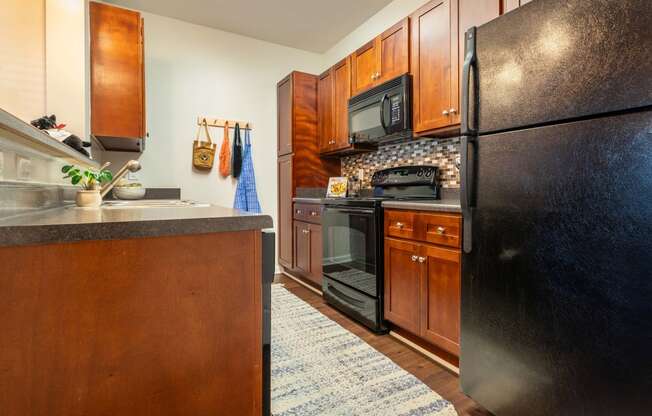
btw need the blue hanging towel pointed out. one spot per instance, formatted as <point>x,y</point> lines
<point>246,196</point>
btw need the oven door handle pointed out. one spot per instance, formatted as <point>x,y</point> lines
<point>350,211</point>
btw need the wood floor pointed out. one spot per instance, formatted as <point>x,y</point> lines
<point>437,378</point>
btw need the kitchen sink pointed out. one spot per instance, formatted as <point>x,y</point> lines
<point>153,203</point>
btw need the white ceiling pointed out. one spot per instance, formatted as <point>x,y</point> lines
<point>312,25</point>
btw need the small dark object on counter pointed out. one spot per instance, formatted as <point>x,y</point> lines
<point>50,122</point>
<point>77,144</point>
<point>45,122</point>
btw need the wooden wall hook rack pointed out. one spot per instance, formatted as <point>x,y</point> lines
<point>220,122</point>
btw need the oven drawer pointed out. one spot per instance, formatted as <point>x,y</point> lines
<point>359,306</point>
<point>307,213</point>
<point>441,229</point>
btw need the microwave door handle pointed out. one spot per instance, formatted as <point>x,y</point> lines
<point>382,112</point>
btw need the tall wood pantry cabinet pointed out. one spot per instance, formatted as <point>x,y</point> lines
<point>299,164</point>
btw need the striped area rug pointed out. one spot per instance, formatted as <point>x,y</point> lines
<point>320,368</point>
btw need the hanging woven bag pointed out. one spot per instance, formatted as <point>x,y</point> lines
<point>203,153</point>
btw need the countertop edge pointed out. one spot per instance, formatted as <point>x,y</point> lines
<point>23,235</point>
<point>439,206</point>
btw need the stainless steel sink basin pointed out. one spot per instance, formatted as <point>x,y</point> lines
<point>153,203</point>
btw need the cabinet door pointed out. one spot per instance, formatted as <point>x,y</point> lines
<point>325,111</point>
<point>364,67</point>
<point>302,247</point>
<point>342,83</point>
<point>394,51</point>
<point>434,65</point>
<point>285,247</point>
<point>440,297</point>
<point>316,254</point>
<point>402,271</point>
<point>284,114</point>
<point>117,81</point>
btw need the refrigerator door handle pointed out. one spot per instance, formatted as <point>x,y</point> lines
<point>466,191</point>
<point>469,63</point>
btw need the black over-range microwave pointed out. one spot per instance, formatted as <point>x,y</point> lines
<point>382,113</point>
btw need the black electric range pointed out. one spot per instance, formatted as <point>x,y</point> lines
<point>353,241</point>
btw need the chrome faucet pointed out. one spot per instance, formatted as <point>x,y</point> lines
<point>131,166</point>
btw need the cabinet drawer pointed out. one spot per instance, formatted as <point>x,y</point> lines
<point>442,229</point>
<point>307,212</point>
<point>400,224</point>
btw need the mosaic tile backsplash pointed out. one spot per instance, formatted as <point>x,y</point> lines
<point>442,153</point>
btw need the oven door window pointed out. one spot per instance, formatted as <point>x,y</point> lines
<point>350,247</point>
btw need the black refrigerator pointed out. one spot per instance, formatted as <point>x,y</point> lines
<point>556,314</point>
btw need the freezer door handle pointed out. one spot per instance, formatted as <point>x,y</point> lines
<point>466,190</point>
<point>469,63</point>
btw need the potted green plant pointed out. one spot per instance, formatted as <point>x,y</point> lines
<point>90,181</point>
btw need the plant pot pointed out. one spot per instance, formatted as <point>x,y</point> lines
<point>88,199</point>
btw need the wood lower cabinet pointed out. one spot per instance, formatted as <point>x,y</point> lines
<point>117,77</point>
<point>402,284</point>
<point>422,280</point>
<point>308,251</point>
<point>440,297</point>
<point>381,59</point>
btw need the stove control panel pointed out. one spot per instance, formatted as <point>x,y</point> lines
<point>405,175</point>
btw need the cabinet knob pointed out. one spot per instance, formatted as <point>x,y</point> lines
<point>415,258</point>
<point>445,112</point>
<point>452,111</point>
<point>299,212</point>
<point>305,231</point>
<point>441,230</point>
<point>313,213</point>
<point>400,225</point>
<point>422,259</point>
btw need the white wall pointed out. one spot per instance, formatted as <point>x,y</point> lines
<point>22,58</point>
<point>65,53</point>
<point>192,71</point>
<point>376,24</point>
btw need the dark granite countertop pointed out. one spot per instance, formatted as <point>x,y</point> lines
<point>69,223</point>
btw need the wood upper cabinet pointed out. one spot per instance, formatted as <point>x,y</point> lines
<point>395,51</point>
<point>284,229</point>
<point>117,77</point>
<point>440,297</point>
<point>364,66</point>
<point>325,112</point>
<point>341,95</point>
<point>284,115</point>
<point>402,284</point>
<point>381,59</point>
<point>434,65</point>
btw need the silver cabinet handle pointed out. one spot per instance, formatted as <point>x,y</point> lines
<point>415,258</point>
<point>445,112</point>
<point>400,225</point>
<point>441,230</point>
<point>299,212</point>
<point>452,111</point>
<point>422,259</point>
<point>305,231</point>
<point>313,213</point>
